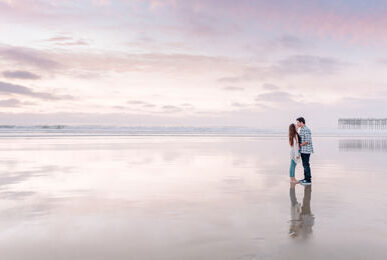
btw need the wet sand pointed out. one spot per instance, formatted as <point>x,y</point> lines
<point>190,198</point>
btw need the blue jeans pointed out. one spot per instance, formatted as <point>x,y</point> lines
<point>305,163</point>
<point>292,168</point>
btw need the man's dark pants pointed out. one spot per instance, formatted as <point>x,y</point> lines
<point>305,163</point>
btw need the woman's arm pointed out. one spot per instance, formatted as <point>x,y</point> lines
<point>296,147</point>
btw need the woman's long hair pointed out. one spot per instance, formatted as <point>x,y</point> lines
<point>293,134</point>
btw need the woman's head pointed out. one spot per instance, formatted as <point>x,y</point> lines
<point>292,133</point>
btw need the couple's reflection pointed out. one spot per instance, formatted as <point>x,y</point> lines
<point>302,219</point>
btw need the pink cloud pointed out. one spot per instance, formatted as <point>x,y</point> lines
<point>27,57</point>
<point>307,17</point>
<point>66,62</point>
<point>209,17</point>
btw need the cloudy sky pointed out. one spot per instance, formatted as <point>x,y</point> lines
<point>193,63</point>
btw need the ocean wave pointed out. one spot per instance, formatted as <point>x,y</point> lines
<point>57,130</point>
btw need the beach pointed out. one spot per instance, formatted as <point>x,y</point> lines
<point>190,197</point>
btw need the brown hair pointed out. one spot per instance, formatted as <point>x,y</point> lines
<point>293,134</point>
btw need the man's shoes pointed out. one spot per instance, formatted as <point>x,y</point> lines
<point>305,182</point>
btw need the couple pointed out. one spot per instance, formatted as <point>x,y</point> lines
<point>301,147</point>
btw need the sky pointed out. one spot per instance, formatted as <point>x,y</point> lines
<point>192,63</point>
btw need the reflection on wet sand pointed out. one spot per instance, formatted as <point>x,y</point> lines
<point>167,198</point>
<point>302,219</point>
<point>375,145</point>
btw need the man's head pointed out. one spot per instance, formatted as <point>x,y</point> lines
<point>300,122</point>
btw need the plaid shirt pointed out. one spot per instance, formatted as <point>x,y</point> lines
<point>306,136</point>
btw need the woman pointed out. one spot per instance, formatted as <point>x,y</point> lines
<point>294,141</point>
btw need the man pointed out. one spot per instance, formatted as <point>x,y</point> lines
<point>306,149</point>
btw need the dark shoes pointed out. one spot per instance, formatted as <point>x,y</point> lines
<point>305,182</point>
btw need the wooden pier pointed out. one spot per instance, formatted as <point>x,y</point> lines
<point>362,123</point>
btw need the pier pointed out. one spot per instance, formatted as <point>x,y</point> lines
<point>362,123</point>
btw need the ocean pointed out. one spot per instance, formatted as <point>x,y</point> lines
<point>101,130</point>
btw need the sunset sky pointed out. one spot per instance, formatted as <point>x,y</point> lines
<point>192,63</point>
